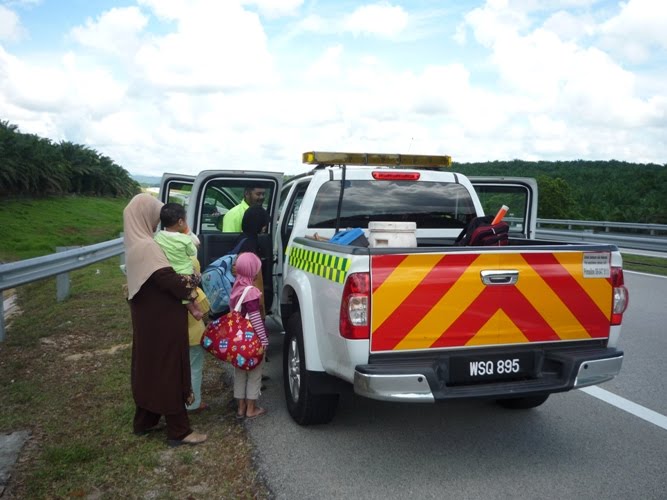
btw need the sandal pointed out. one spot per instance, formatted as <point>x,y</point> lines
<point>191,439</point>
<point>262,411</point>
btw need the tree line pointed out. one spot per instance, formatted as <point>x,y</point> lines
<point>588,190</point>
<point>33,166</point>
<point>585,190</point>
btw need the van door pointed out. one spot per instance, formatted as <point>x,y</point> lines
<point>213,194</point>
<point>518,193</point>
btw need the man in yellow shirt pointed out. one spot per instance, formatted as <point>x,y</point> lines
<point>252,195</point>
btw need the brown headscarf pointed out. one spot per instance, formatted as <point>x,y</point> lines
<point>142,255</point>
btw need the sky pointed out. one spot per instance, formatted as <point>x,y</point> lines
<point>187,85</point>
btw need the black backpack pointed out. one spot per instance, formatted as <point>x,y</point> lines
<point>480,232</point>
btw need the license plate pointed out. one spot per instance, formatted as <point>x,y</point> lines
<point>481,368</point>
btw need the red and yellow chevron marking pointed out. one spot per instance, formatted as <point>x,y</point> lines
<point>426,301</point>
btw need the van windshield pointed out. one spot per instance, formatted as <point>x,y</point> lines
<point>428,204</point>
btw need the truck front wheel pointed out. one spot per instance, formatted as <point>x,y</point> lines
<point>305,407</point>
<point>522,403</point>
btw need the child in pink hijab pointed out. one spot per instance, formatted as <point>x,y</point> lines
<point>247,384</point>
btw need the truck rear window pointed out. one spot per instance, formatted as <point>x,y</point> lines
<point>428,204</point>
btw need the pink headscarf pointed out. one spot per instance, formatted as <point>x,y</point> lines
<point>247,267</point>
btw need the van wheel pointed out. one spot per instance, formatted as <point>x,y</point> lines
<point>305,407</point>
<point>522,403</point>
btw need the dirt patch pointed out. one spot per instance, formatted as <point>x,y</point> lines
<point>101,352</point>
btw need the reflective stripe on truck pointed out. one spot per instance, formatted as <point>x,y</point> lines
<point>324,265</point>
<point>423,301</point>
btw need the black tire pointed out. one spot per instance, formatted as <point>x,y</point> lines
<point>305,407</point>
<point>522,403</point>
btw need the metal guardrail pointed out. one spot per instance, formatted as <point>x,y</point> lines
<point>26,271</point>
<point>58,264</point>
<point>19,273</point>
<point>655,244</point>
<point>651,229</point>
<point>654,237</point>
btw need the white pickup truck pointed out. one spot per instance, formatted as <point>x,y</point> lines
<point>427,322</point>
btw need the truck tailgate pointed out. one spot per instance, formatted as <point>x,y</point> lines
<point>427,301</point>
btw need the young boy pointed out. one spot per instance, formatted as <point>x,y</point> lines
<point>178,245</point>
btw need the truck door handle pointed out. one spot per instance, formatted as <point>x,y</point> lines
<point>503,277</point>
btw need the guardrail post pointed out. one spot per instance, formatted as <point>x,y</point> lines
<point>122,255</point>
<point>62,280</point>
<point>2,318</point>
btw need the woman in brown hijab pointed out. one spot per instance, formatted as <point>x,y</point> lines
<point>160,350</point>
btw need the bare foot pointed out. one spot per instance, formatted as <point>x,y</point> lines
<point>257,412</point>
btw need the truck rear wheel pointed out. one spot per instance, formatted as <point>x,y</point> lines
<point>305,407</point>
<point>522,403</point>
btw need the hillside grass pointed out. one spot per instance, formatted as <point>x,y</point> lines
<point>34,227</point>
<point>65,377</point>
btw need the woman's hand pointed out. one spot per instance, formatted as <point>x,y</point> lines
<point>196,279</point>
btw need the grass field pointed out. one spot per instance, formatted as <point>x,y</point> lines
<point>640,263</point>
<point>34,227</point>
<point>64,376</point>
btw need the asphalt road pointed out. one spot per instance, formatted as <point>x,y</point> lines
<point>573,446</point>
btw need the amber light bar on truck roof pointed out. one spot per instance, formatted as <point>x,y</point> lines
<point>376,159</point>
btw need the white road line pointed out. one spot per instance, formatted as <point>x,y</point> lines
<point>644,274</point>
<point>626,405</point>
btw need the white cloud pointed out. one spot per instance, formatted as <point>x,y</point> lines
<point>34,87</point>
<point>170,9</point>
<point>562,77</point>
<point>460,35</point>
<point>211,45</point>
<point>115,31</point>
<point>549,135</point>
<point>10,25</point>
<point>326,67</point>
<point>544,5</point>
<point>495,21</point>
<point>59,87</point>
<point>382,19</point>
<point>276,8</point>
<point>639,27</point>
<point>195,85</point>
<point>568,26</point>
<point>216,46</point>
<point>312,22</point>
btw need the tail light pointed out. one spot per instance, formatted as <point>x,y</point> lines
<point>621,298</point>
<point>355,307</point>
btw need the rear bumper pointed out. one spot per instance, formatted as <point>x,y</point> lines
<point>413,378</point>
